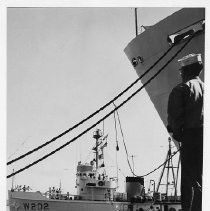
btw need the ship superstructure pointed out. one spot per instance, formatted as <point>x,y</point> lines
<point>91,184</point>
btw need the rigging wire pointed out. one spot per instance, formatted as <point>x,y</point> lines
<point>159,165</point>
<point>116,136</point>
<point>20,146</point>
<point>106,116</point>
<point>88,156</point>
<point>94,113</point>
<point>128,156</point>
<point>117,146</point>
<point>123,140</point>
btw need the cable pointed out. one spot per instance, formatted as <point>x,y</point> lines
<point>22,144</point>
<point>117,146</point>
<point>159,165</point>
<point>88,156</point>
<point>107,115</point>
<point>124,141</point>
<point>91,115</point>
<point>127,153</point>
<point>116,135</point>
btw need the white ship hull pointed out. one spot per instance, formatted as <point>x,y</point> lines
<point>22,201</point>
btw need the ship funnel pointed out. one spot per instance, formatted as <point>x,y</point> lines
<point>134,187</point>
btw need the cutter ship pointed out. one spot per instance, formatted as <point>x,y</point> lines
<point>95,189</point>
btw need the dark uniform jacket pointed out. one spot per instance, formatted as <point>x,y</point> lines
<point>185,107</point>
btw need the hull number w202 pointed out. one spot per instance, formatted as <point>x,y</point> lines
<point>36,206</point>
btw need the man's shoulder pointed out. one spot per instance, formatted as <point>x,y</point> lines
<point>179,90</point>
<point>195,81</point>
<point>180,87</point>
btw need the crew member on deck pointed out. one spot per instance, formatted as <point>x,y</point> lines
<point>50,192</point>
<point>185,122</point>
<point>53,192</point>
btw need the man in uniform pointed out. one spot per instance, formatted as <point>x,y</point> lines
<point>185,122</point>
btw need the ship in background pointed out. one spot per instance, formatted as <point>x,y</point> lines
<point>149,46</point>
<point>95,190</point>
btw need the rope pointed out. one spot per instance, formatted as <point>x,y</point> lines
<point>117,147</point>
<point>107,115</point>
<point>125,101</point>
<point>116,135</point>
<point>127,153</point>
<point>124,141</point>
<point>159,165</point>
<point>91,115</point>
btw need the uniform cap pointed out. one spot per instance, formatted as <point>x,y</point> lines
<point>190,59</point>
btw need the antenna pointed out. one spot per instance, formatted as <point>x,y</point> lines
<point>13,170</point>
<point>136,22</point>
<point>60,184</point>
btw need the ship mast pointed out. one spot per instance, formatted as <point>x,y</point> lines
<point>13,179</point>
<point>169,165</point>
<point>97,135</point>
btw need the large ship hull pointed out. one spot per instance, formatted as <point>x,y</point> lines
<point>22,201</point>
<point>153,42</point>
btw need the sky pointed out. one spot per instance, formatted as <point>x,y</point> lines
<point>62,65</point>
